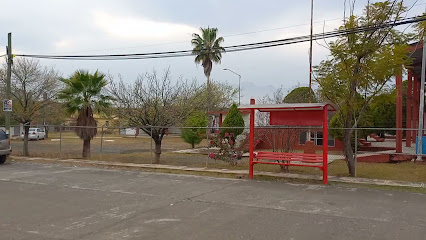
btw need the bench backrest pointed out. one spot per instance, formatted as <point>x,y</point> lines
<point>301,157</point>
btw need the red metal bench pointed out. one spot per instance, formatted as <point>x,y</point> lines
<point>286,114</point>
<point>290,159</point>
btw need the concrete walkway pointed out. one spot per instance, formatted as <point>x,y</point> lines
<point>228,171</point>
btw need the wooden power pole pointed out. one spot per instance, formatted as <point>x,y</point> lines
<point>8,77</point>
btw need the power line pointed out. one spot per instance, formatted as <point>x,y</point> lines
<point>225,36</point>
<point>228,49</point>
<point>234,48</point>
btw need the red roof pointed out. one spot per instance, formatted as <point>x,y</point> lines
<point>288,107</point>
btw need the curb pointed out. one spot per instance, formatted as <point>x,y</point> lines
<point>368,181</point>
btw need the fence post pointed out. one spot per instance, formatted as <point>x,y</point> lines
<point>102,138</point>
<point>356,148</point>
<point>274,148</point>
<point>60,141</point>
<point>208,147</point>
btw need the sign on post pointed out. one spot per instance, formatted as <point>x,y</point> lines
<point>7,105</point>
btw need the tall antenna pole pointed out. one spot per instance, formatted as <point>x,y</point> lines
<point>310,52</point>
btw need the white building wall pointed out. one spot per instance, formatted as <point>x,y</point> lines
<point>246,117</point>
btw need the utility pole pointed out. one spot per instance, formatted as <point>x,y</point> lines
<point>310,61</point>
<point>8,77</point>
<point>422,101</point>
<point>310,52</point>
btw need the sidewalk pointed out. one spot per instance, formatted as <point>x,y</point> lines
<point>227,171</point>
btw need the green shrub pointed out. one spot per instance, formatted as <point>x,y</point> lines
<point>194,135</point>
<point>233,123</point>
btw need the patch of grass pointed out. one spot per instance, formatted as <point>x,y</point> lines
<point>406,171</point>
<point>138,150</point>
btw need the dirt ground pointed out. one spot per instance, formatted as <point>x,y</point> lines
<point>138,150</point>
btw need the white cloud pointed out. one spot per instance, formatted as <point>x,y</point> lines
<point>62,44</point>
<point>136,28</point>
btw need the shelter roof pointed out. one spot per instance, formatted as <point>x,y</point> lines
<point>288,107</point>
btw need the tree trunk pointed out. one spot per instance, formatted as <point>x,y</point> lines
<point>347,142</point>
<point>26,131</point>
<point>193,145</point>
<point>157,152</point>
<point>46,131</point>
<point>208,107</point>
<point>86,148</point>
<point>208,92</point>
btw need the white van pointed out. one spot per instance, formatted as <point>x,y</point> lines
<point>35,134</point>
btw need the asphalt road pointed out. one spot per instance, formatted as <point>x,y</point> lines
<point>40,201</point>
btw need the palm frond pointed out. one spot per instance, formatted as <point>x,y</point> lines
<point>207,48</point>
<point>83,93</point>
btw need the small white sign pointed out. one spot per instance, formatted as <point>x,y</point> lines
<point>7,105</point>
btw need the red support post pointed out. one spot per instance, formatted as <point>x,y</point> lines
<point>251,136</point>
<point>325,146</point>
<point>398,78</point>
<point>409,109</point>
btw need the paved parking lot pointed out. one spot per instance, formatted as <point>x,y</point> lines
<point>40,201</point>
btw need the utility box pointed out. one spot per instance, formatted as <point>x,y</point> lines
<point>423,144</point>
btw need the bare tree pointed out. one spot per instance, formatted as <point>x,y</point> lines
<point>262,118</point>
<point>154,103</point>
<point>32,88</point>
<point>223,96</point>
<point>279,139</point>
<point>52,114</point>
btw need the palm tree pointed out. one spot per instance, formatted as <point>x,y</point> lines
<point>82,94</point>
<point>208,50</point>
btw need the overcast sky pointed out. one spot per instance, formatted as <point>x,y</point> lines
<point>125,26</point>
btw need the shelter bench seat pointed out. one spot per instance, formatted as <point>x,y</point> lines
<point>290,159</point>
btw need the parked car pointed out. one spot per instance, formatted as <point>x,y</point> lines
<point>35,134</point>
<point>5,148</point>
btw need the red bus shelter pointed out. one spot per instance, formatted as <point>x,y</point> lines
<point>412,94</point>
<point>294,114</point>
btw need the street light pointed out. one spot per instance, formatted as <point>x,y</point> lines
<point>239,84</point>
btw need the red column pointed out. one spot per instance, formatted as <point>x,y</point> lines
<point>398,112</point>
<point>251,136</point>
<point>409,109</point>
<point>325,146</point>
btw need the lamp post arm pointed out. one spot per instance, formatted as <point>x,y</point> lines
<point>239,84</point>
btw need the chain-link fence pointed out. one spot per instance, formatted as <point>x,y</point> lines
<point>377,152</point>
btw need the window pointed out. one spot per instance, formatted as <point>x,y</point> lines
<point>303,137</point>
<point>316,137</point>
<point>3,135</point>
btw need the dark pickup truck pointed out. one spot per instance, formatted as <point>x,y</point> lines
<point>5,148</point>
